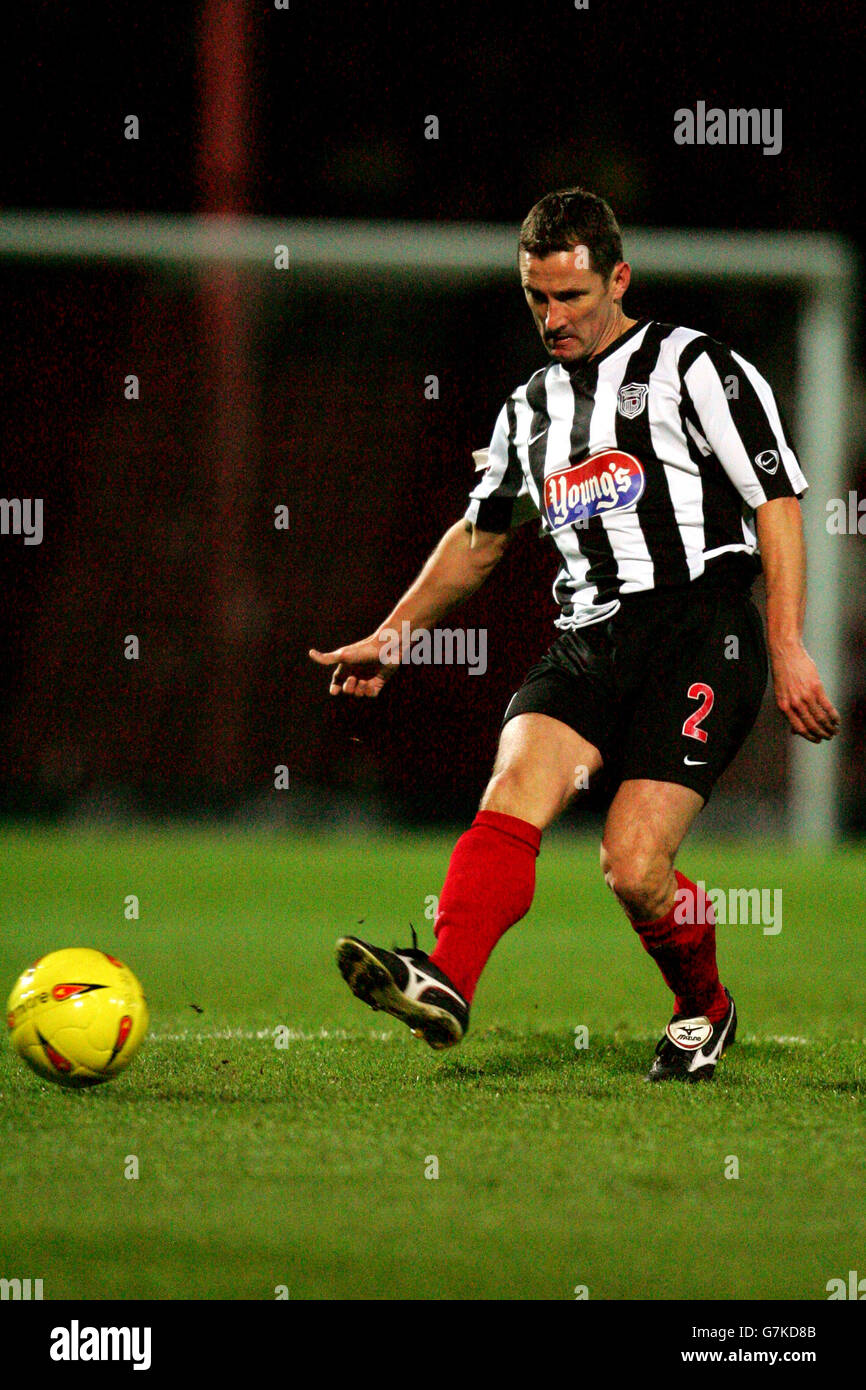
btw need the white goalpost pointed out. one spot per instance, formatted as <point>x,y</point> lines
<point>819,269</point>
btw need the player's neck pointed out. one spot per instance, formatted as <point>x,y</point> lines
<point>620,325</point>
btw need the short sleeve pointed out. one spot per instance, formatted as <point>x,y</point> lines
<point>501,499</point>
<point>735,411</point>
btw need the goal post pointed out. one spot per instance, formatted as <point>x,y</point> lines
<point>820,269</point>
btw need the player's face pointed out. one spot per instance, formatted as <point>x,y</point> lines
<point>576,312</point>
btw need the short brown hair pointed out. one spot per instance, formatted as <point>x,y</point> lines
<point>573,217</point>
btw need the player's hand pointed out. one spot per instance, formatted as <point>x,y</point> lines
<point>359,668</point>
<point>801,696</point>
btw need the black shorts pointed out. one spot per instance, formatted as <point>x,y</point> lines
<point>667,689</point>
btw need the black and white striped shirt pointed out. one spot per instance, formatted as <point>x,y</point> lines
<point>645,465</point>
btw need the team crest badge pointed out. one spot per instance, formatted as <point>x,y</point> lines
<point>631,399</point>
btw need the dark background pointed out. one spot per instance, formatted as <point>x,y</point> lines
<point>337,428</point>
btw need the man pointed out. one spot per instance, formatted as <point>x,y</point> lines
<point>657,461</point>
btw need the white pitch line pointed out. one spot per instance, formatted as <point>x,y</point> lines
<point>373,1035</point>
<point>260,1034</point>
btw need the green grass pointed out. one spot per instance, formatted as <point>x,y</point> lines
<point>304,1166</point>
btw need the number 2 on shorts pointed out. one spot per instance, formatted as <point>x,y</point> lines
<point>704,693</point>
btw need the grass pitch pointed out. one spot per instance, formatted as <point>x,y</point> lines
<point>304,1166</point>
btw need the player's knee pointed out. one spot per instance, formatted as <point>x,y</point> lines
<point>638,872</point>
<point>605,861</point>
<point>514,791</point>
<point>507,791</point>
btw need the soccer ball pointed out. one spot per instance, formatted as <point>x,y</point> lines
<point>77,1017</point>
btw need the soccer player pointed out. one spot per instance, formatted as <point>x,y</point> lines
<point>657,462</point>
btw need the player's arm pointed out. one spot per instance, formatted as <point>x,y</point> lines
<point>459,565</point>
<point>800,694</point>
<point>744,430</point>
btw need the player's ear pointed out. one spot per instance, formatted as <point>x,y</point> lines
<point>620,279</point>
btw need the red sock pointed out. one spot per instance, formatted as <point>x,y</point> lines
<point>685,952</point>
<point>488,887</point>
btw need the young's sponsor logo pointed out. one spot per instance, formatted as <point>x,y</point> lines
<point>610,481</point>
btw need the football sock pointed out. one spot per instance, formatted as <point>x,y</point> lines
<point>488,887</point>
<point>685,952</point>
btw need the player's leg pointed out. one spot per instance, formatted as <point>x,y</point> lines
<point>541,762</point>
<point>673,918</point>
<point>489,885</point>
<point>697,699</point>
<point>645,826</point>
